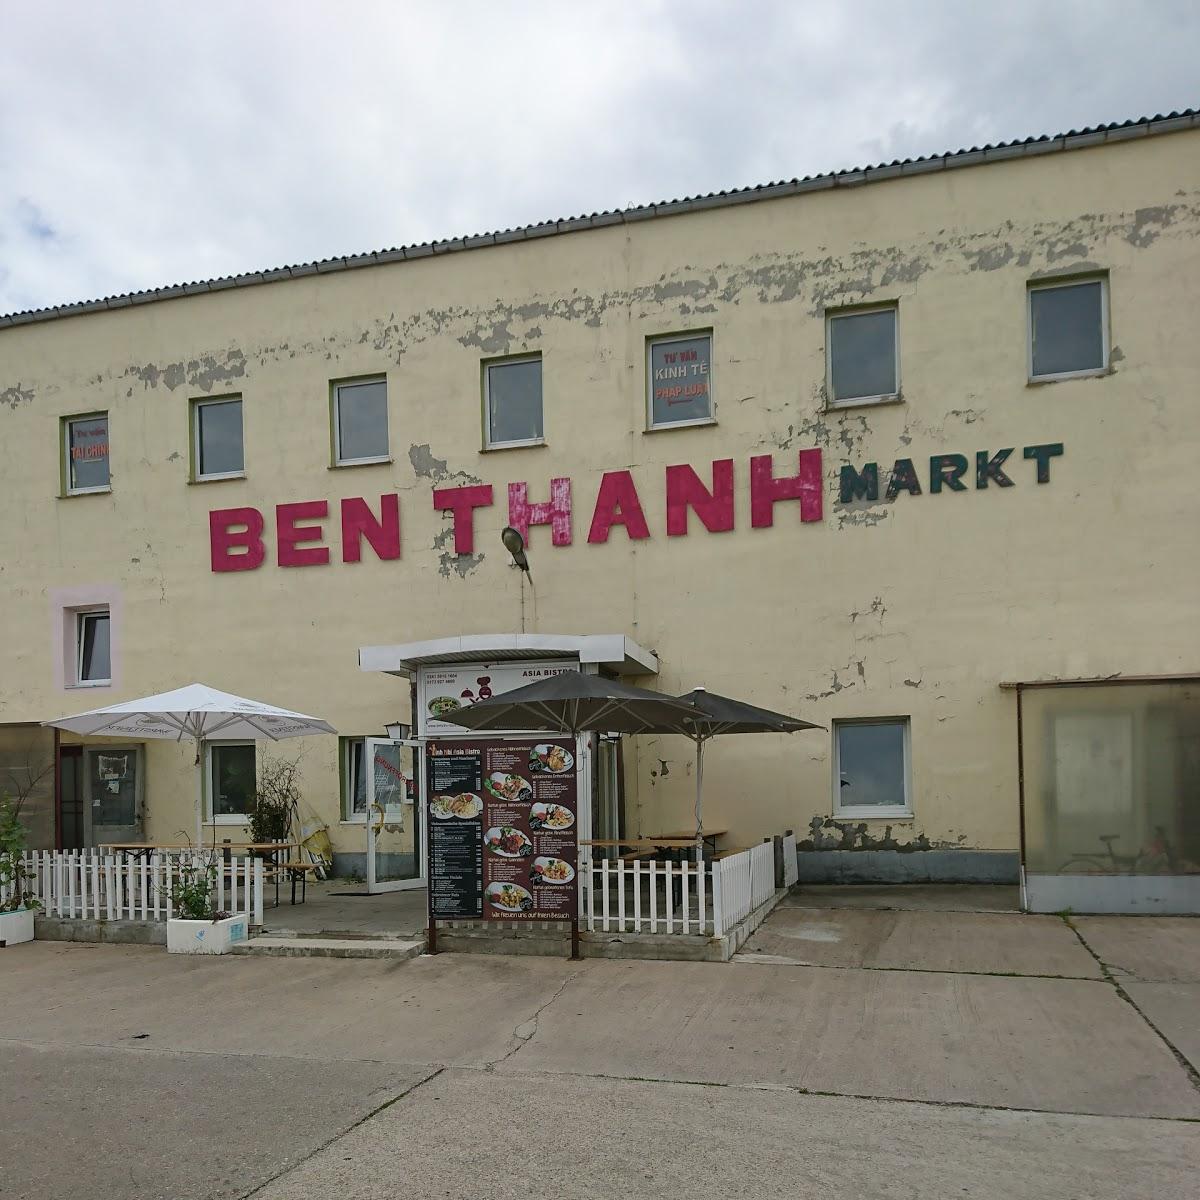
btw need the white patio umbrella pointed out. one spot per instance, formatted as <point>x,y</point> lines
<point>197,712</point>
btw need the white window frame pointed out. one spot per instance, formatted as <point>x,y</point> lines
<point>338,460</point>
<point>346,800</point>
<point>210,776</point>
<point>200,476</point>
<point>81,616</point>
<point>868,811</point>
<point>834,314</point>
<point>666,339</point>
<point>67,422</point>
<point>488,442</point>
<point>1045,285</point>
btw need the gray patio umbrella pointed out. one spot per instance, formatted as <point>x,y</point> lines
<point>575,703</point>
<point>713,715</point>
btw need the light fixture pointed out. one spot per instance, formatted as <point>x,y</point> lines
<point>514,543</point>
<point>398,731</point>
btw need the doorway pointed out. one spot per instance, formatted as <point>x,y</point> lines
<point>394,806</point>
<point>101,795</point>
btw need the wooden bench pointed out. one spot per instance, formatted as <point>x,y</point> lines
<point>294,871</point>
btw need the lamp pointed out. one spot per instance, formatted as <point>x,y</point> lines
<point>398,731</point>
<point>514,543</point>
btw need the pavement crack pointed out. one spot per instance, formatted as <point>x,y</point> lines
<point>408,1091</point>
<point>1189,1070</point>
<point>524,1032</point>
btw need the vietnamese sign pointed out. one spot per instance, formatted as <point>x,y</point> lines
<point>502,828</point>
<point>441,690</point>
<point>238,538</point>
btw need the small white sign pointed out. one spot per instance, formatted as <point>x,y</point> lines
<point>442,690</point>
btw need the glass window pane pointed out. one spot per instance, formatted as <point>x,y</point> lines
<point>871,761</point>
<point>94,660</point>
<point>362,420</point>
<point>356,781</point>
<point>1068,328</point>
<point>232,780</point>
<point>87,446</point>
<point>514,401</point>
<point>220,437</point>
<point>680,380</point>
<point>862,355</point>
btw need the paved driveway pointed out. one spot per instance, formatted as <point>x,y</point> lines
<point>880,1058</point>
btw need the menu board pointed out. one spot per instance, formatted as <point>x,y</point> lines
<point>502,828</point>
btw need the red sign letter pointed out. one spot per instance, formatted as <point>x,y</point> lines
<point>224,536</point>
<point>805,486</point>
<point>291,553</point>
<point>358,522</point>
<point>684,490</point>
<point>556,512</point>
<point>463,501</point>
<point>617,503</point>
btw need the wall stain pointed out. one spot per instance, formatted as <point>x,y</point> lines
<point>856,837</point>
<point>12,396</point>
<point>448,562</point>
<point>427,466</point>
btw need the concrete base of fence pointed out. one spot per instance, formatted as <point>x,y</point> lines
<point>922,866</point>
<point>523,939</point>
<point>80,929</point>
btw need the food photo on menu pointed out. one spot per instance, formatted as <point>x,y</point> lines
<point>507,842</point>
<point>550,758</point>
<point>552,871</point>
<point>550,816</point>
<point>465,806</point>
<point>509,897</point>
<point>512,788</point>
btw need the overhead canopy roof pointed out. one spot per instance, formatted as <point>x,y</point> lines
<point>619,654</point>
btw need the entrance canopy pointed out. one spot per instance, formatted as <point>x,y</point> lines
<point>621,655</point>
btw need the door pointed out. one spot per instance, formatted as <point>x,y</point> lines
<point>394,842</point>
<point>70,774</point>
<point>112,779</point>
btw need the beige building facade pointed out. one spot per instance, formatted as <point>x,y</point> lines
<point>861,449</point>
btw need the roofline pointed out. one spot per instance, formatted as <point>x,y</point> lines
<point>1076,139</point>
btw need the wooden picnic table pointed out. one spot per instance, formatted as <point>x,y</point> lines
<point>710,837</point>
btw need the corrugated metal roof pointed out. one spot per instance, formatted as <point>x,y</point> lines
<point>1075,139</point>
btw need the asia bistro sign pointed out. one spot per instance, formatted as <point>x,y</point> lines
<point>238,536</point>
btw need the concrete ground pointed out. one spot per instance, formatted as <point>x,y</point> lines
<point>931,1053</point>
<point>339,906</point>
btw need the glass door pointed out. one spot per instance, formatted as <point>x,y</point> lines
<point>112,795</point>
<point>393,816</point>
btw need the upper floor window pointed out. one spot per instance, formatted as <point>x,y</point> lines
<point>512,401</point>
<point>85,454</point>
<point>217,450</point>
<point>863,355</point>
<point>360,422</point>
<point>679,380</point>
<point>1068,328</point>
<point>871,775</point>
<point>93,648</point>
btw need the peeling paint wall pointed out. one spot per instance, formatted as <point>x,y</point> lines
<point>909,605</point>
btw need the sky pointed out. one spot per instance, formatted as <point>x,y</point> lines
<point>144,144</point>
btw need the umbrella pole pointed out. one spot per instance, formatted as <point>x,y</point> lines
<point>200,794</point>
<point>699,800</point>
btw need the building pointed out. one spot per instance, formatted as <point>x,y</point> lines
<point>865,447</point>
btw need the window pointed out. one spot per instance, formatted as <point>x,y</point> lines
<point>217,451</point>
<point>863,355</point>
<point>679,380</point>
<point>230,779</point>
<point>512,402</point>
<point>93,663</point>
<point>85,454</point>
<point>871,768</point>
<point>360,422</point>
<point>354,780</point>
<point>1068,329</point>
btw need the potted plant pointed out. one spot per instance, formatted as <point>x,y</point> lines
<point>17,905</point>
<point>276,799</point>
<point>194,925</point>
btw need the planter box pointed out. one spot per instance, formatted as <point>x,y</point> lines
<point>16,926</point>
<point>206,937</point>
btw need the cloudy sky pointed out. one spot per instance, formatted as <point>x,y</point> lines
<point>149,143</point>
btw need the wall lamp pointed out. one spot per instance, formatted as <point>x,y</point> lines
<point>514,543</point>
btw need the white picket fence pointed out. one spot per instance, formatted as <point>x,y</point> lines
<point>791,863</point>
<point>86,883</point>
<point>646,896</point>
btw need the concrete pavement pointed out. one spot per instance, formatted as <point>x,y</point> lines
<point>899,1070</point>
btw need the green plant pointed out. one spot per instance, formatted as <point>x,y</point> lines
<point>13,897</point>
<point>276,798</point>
<point>192,889</point>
